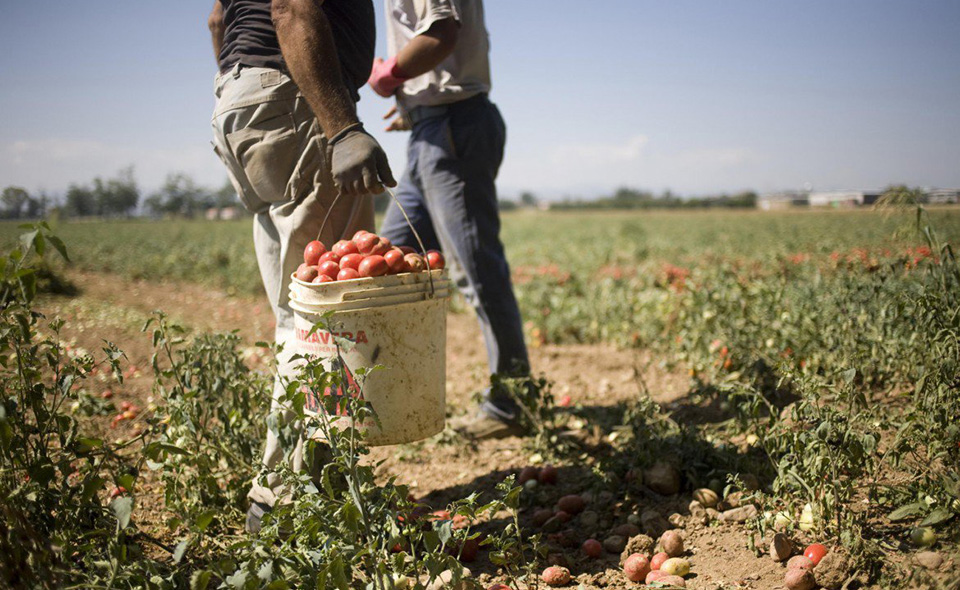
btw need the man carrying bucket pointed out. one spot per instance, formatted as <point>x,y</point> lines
<point>285,125</point>
<point>440,75</point>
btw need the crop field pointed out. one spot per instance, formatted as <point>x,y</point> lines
<point>733,390</point>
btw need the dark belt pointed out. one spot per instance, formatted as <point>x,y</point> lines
<point>421,113</point>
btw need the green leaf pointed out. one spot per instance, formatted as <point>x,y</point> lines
<point>42,474</point>
<point>351,515</point>
<point>849,375</point>
<point>938,516</point>
<point>907,511</point>
<point>126,481</point>
<point>445,530</point>
<point>91,487</point>
<point>200,580</point>
<point>180,550</point>
<point>26,240</point>
<point>40,244</point>
<point>265,573</point>
<point>57,243</point>
<point>238,580</point>
<point>204,520</point>
<point>122,508</point>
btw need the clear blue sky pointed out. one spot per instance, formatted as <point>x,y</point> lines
<point>697,97</point>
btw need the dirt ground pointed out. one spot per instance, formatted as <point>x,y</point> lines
<point>116,308</point>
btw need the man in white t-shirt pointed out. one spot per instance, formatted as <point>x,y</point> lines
<point>439,73</point>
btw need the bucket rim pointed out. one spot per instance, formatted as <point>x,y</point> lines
<point>330,307</point>
<point>438,273</point>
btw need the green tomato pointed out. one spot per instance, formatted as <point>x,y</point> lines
<point>807,521</point>
<point>676,566</point>
<point>923,536</point>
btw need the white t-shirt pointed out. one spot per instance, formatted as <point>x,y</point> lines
<point>465,72</point>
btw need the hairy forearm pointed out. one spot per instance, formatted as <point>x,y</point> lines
<point>306,42</point>
<point>427,50</point>
<point>215,24</point>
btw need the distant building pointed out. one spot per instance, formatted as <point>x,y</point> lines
<point>230,213</point>
<point>943,196</point>
<point>782,200</point>
<point>843,198</point>
<point>222,213</point>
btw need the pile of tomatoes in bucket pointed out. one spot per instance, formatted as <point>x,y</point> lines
<point>365,255</point>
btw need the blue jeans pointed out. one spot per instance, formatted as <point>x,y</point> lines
<point>449,193</point>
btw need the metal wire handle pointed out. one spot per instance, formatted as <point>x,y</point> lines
<point>406,218</point>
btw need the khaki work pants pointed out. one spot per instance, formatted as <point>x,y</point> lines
<point>277,159</point>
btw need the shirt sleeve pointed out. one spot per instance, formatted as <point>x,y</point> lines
<point>431,11</point>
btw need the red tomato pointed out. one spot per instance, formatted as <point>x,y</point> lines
<point>306,273</point>
<point>313,252</point>
<point>373,266</point>
<point>351,261</point>
<point>395,261</point>
<point>367,242</point>
<point>359,234</point>
<point>329,256</point>
<point>407,250</point>
<point>527,473</point>
<point>815,552</point>
<point>636,567</point>
<point>469,550</point>
<point>439,515</point>
<point>347,274</point>
<point>435,258</point>
<point>548,475</point>
<point>344,247</point>
<point>415,262</point>
<point>657,560</point>
<point>118,491</point>
<point>329,268</point>
<point>323,279</point>
<point>592,548</point>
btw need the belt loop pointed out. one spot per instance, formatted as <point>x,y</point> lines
<point>236,71</point>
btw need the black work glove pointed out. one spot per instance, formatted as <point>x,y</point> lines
<point>358,163</point>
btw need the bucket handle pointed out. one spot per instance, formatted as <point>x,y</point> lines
<point>406,218</point>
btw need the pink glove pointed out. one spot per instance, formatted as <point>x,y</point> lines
<point>386,77</point>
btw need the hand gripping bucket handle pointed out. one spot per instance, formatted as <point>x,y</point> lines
<point>406,218</point>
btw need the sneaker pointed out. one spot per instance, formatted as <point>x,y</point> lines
<point>255,516</point>
<point>482,426</point>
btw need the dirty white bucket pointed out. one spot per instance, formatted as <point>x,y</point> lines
<point>398,322</point>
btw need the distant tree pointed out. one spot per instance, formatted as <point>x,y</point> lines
<point>37,206</point>
<point>744,199</point>
<point>179,195</point>
<point>226,195</point>
<point>528,199</point>
<point>508,205</point>
<point>628,198</point>
<point>668,199</point>
<point>14,199</point>
<point>117,196</point>
<point>80,201</point>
